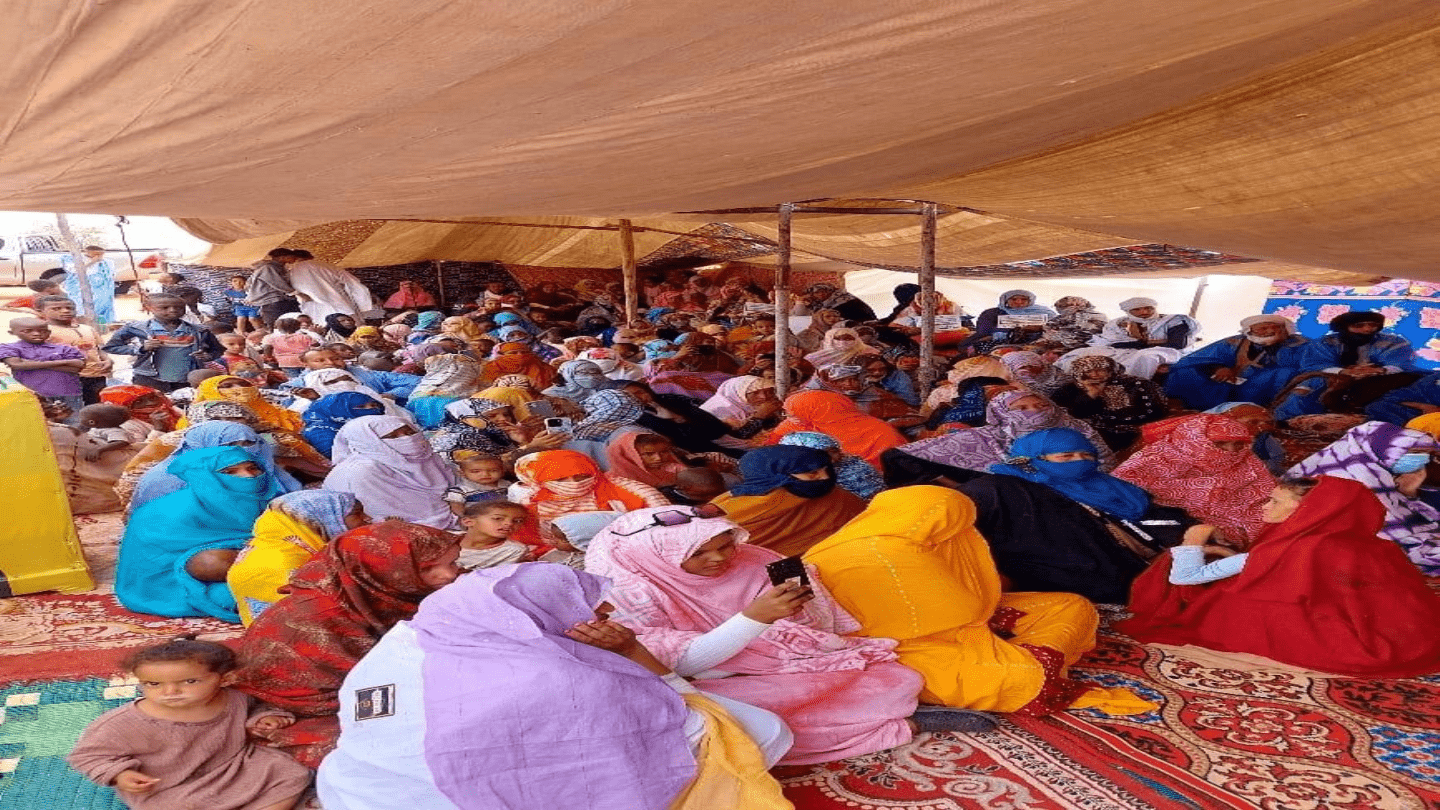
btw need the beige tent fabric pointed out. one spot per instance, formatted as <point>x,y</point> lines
<point>1171,121</point>
<point>1334,161</point>
<point>535,241</point>
<point>529,242</point>
<point>849,243</point>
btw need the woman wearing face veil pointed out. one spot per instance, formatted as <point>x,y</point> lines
<point>390,467</point>
<point>788,500</point>
<point>1055,522</point>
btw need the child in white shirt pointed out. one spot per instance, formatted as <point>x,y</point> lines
<point>482,478</point>
<point>488,526</point>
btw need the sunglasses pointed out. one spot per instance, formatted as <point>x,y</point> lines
<point>704,511</point>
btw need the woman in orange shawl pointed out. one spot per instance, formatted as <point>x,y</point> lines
<point>562,482</point>
<point>516,358</point>
<point>859,434</point>
<point>788,500</point>
<point>293,451</point>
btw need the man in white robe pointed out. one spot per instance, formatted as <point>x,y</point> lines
<point>330,290</point>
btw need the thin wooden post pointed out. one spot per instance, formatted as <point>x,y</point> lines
<point>440,285</point>
<point>82,276</point>
<point>120,223</point>
<point>927,299</point>
<point>1199,295</point>
<point>627,270</point>
<point>782,303</point>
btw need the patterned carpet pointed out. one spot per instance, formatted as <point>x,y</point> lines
<point>1233,732</point>
<point>52,635</point>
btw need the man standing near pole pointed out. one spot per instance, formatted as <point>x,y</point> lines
<point>99,273</point>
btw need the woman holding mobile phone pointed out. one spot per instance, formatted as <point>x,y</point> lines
<point>700,598</point>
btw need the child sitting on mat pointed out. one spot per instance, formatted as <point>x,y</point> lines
<point>184,743</point>
<point>112,425</point>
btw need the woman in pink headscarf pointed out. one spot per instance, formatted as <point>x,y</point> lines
<point>699,598</point>
<point>1204,465</point>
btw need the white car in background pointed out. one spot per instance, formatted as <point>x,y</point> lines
<point>23,257</point>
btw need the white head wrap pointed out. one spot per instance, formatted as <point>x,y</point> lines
<point>1289,325</point>
<point>1135,303</point>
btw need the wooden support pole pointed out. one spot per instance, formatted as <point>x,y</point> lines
<point>82,275</point>
<point>782,303</point>
<point>627,269</point>
<point>927,299</point>
<point>1199,296</point>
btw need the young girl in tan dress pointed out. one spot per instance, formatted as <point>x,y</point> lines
<point>185,742</point>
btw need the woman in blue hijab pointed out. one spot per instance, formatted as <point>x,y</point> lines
<point>852,473</point>
<point>1055,522</point>
<point>326,415</point>
<point>427,325</point>
<point>178,547</point>
<point>788,500</point>
<point>159,480</point>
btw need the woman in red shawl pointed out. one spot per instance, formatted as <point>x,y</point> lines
<point>1319,590</point>
<point>859,433</point>
<point>144,404</point>
<point>340,603</point>
<point>1204,465</point>
<point>517,358</point>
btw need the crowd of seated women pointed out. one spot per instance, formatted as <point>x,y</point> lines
<point>583,561</point>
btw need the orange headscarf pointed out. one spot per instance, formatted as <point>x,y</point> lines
<point>552,465</point>
<point>524,362</point>
<point>859,433</point>
<point>127,395</point>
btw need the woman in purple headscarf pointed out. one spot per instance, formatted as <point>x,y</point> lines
<point>461,708</point>
<point>1010,415</point>
<point>1391,461</point>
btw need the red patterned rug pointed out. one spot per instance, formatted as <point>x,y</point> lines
<point>1233,732</point>
<point>51,635</point>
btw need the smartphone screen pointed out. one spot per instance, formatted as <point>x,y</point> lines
<point>782,571</point>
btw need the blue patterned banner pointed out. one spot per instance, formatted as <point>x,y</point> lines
<point>1411,309</point>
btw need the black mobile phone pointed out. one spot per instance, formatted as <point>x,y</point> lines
<point>782,571</point>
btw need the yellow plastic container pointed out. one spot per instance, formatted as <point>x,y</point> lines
<point>39,550</point>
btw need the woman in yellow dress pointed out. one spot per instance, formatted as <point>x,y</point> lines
<point>913,568</point>
<point>293,528</point>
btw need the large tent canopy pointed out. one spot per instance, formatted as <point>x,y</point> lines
<point>1305,134</point>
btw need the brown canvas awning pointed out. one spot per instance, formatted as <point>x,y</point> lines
<point>1305,133</point>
